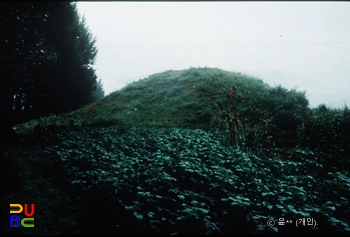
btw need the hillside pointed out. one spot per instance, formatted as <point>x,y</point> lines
<point>198,98</point>
<point>166,99</point>
<point>173,98</point>
<point>198,151</point>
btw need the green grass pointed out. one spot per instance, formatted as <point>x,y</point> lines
<point>199,151</point>
<point>165,99</point>
<point>205,98</point>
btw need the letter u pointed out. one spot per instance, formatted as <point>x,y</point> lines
<point>26,210</point>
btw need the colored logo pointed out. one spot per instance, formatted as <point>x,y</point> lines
<point>16,220</point>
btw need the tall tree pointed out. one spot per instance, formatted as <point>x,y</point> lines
<point>21,50</point>
<point>46,61</point>
<point>74,76</point>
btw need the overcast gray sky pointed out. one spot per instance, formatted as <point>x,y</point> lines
<point>294,44</point>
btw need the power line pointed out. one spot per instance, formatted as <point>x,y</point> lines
<point>223,45</point>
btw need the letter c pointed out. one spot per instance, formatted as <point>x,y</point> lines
<point>30,220</point>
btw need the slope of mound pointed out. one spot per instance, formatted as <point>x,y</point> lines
<point>174,98</point>
<point>206,98</point>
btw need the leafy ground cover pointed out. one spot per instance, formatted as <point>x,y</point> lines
<point>196,151</point>
<point>172,181</point>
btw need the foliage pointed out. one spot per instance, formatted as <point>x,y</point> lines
<point>240,110</point>
<point>327,132</point>
<point>98,93</point>
<point>258,119</point>
<point>72,78</point>
<point>180,181</point>
<point>32,176</point>
<point>199,151</point>
<point>46,62</point>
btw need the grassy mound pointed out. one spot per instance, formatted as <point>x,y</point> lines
<point>241,108</point>
<point>199,151</point>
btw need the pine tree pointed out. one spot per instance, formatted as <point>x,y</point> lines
<point>47,54</point>
<point>21,51</point>
<point>74,76</point>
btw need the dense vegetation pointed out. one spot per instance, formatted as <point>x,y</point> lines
<point>199,151</point>
<point>47,54</point>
